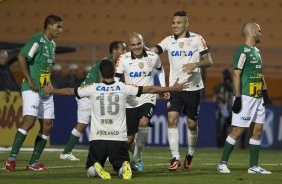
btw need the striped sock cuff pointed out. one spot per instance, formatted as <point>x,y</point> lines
<point>43,136</point>
<point>22,131</point>
<point>254,142</point>
<point>76,133</point>
<point>230,140</point>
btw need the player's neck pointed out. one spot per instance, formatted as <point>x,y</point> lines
<point>182,35</point>
<point>250,43</point>
<point>48,36</point>
<point>107,81</point>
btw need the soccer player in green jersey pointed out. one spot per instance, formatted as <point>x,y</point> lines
<point>116,49</point>
<point>250,97</point>
<point>36,59</point>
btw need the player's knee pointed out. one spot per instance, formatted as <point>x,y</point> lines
<point>48,125</point>
<point>172,122</point>
<point>143,123</point>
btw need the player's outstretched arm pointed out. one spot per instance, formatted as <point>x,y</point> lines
<point>63,91</point>
<point>158,89</point>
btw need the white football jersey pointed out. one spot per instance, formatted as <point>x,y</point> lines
<point>182,51</point>
<point>139,71</point>
<point>108,103</point>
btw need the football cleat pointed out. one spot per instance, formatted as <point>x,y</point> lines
<point>133,166</point>
<point>100,172</point>
<point>125,172</point>
<point>10,165</point>
<point>222,168</point>
<point>139,166</point>
<point>187,162</point>
<point>173,164</point>
<point>36,167</point>
<point>258,170</point>
<point>68,156</point>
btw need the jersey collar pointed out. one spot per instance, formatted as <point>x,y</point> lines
<point>186,36</point>
<point>110,57</point>
<point>108,83</point>
<point>144,51</point>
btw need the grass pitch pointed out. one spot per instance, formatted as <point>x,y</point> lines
<point>156,162</point>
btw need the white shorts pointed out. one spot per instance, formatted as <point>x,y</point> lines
<point>34,105</point>
<point>252,111</point>
<point>83,110</point>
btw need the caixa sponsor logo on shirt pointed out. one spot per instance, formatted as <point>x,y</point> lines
<point>181,53</point>
<point>140,74</point>
<point>108,88</point>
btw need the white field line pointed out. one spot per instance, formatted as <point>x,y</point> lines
<point>149,165</point>
<point>4,149</point>
<point>46,149</point>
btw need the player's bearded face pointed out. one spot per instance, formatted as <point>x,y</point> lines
<point>257,34</point>
<point>179,25</point>
<point>257,38</point>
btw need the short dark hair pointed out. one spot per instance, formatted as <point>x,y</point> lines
<point>181,14</point>
<point>51,19</point>
<point>114,45</point>
<point>107,68</point>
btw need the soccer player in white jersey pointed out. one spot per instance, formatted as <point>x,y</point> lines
<point>138,67</point>
<point>187,53</point>
<point>108,131</point>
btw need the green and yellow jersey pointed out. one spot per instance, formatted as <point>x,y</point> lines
<point>248,60</point>
<point>39,52</point>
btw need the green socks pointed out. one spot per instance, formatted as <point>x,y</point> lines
<point>254,147</point>
<point>18,141</point>
<point>228,148</point>
<point>40,143</point>
<point>71,143</point>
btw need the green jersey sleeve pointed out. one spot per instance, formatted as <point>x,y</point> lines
<point>31,48</point>
<point>93,76</point>
<point>239,59</point>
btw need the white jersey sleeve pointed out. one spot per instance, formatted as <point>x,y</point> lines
<point>164,44</point>
<point>158,64</point>
<point>202,46</point>
<point>85,91</point>
<point>133,90</point>
<point>120,65</point>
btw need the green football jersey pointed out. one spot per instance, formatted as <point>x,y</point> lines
<point>248,60</point>
<point>39,52</point>
<point>94,75</point>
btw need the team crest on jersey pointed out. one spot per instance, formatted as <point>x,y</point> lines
<point>181,44</point>
<point>149,62</point>
<point>141,65</point>
<point>247,50</point>
<point>42,40</point>
<point>188,42</point>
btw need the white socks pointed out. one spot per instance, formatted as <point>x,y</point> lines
<point>173,140</point>
<point>192,137</point>
<point>140,141</point>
